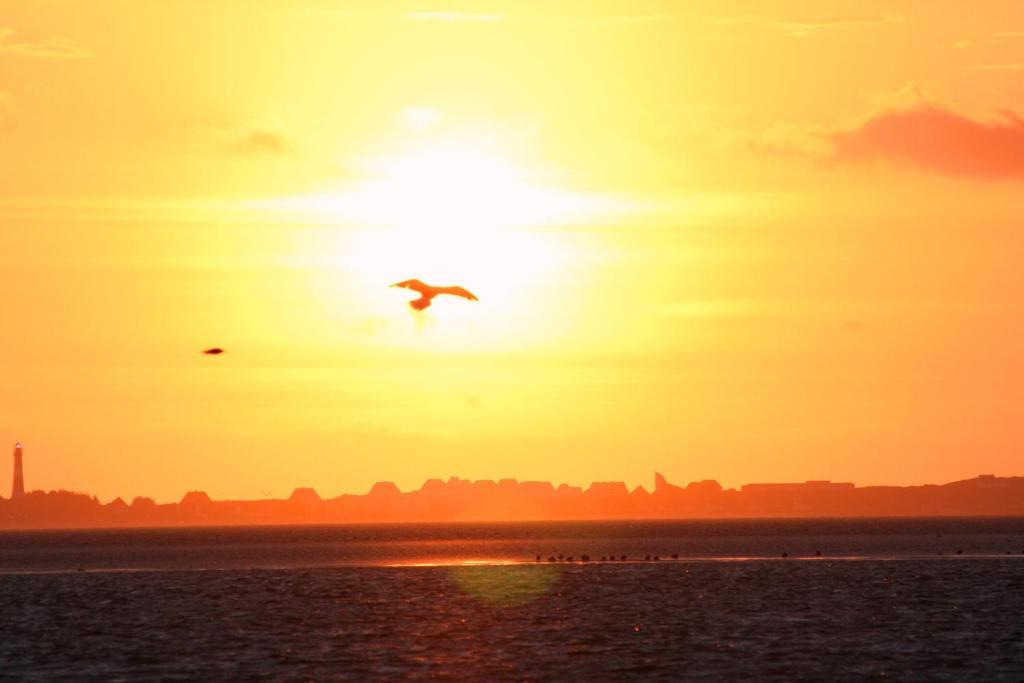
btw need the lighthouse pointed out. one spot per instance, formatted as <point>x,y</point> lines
<point>18,488</point>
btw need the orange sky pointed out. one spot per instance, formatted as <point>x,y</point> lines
<point>768,246</point>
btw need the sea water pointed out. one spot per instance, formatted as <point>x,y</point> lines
<point>904,599</point>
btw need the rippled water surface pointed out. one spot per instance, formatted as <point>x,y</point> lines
<point>263,603</point>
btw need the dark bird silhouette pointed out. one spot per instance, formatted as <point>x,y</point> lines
<point>428,292</point>
<point>215,351</point>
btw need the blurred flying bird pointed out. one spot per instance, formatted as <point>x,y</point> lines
<point>215,351</point>
<point>428,292</point>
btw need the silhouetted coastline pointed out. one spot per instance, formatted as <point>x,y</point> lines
<point>511,500</point>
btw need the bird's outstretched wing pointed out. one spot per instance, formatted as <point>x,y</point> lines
<point>459,291</point>
<point>415,285</point>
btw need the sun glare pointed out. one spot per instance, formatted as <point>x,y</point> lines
<point>450,212</point>
<point>419,118</point>
<point>452,187</point>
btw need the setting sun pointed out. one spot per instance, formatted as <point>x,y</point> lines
<point>456,208</point>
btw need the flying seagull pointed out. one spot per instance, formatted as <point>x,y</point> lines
<point>428,292</point>
<point>215,351</point>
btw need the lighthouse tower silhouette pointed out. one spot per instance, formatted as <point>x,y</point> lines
<point>18,488</point>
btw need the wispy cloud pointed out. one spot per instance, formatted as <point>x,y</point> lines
<point>1015,66</point>
<point>262,142</point>
<point>733,19</point>
<point>799,27</point>
<point>459,17</point>
<point>636,19</point>
<point>471,400</point>
<point>454,17</point>
<point>714,308</point>
<point>46,48</point>
<point>996,38</point>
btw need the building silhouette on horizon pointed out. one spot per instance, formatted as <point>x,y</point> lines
<point>507,500</point>
<point>18,485</point>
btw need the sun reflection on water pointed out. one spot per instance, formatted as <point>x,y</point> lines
<point>505,585</point>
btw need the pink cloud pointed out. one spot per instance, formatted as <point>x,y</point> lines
<point>937,139</point>
<point>911,130</point>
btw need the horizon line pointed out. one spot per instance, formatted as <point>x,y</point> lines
<point>388,487</point>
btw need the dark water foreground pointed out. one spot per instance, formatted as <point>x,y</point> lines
<point>184,604</point>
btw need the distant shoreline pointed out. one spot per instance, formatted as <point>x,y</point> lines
<point>508,500</point>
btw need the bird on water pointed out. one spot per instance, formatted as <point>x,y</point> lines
<point>428,292</point>
<point>215,351</point>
